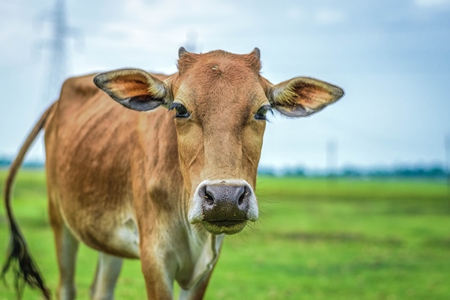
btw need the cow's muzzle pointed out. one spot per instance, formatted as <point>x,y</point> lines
<point>224,206</point>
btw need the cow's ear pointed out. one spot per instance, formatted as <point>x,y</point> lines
<point>133,88</point>
<point>302,96</point>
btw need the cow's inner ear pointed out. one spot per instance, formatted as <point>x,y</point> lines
<point>302,96</point>
<point>133,88</point>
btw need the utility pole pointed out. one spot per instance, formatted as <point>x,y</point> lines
<point>58,56</point>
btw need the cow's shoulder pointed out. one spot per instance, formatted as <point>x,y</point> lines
<point>80,87</point>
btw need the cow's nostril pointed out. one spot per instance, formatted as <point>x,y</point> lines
<point>242,196</point>
<point>209,199</point>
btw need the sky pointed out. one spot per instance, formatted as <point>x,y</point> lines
<point>392,58</point>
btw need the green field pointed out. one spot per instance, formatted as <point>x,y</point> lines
<point>316,239</point>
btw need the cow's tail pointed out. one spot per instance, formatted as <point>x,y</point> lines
<point>18,256</point>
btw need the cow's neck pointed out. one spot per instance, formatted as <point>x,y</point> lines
<point>204,249</point>
<point>195,250</point>
<point>205,262</point>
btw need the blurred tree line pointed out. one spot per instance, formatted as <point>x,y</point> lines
<point>434,171</point>
<point>5,162</point>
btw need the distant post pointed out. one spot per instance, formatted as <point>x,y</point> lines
<point>447,162</point>
<point>331,158</point>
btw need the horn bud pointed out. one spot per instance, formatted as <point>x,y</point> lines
<point>182,51</point>
<point>256,52</point>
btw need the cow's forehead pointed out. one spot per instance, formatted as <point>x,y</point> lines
<point>219,61</point>
<point>219,78</point>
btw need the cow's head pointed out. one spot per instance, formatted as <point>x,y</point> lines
<point>220,102</point>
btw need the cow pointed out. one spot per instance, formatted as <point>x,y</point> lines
<point>162,180</point>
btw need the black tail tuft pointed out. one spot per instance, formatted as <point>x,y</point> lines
<point>18,257</point>
<point>25,269</point>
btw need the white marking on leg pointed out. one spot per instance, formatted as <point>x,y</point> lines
<point>68,255</point>
<point>107,274</point>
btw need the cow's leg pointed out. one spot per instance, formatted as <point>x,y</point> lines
<point>158,282</point>
<point>198,291</point>
<point>94,282</point>
<point>108,271</point>
<point>66,252</point>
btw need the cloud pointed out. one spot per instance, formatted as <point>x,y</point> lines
<point>329,16</point>
<point>148,34</point>
<point>431,3</point>
<point>295,13</point>
<point>155,27</point>
<point>171,20</point>
<point>15,34</point>
<point>316,15</point>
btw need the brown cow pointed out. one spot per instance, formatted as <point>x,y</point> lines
<point>163,187</point>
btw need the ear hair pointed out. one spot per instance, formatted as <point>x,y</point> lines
<point>302,96</point>
<point>133,88</point>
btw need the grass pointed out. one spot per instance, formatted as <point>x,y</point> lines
<point>316,239</point>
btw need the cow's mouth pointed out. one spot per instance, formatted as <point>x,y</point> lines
<point>224,226</point>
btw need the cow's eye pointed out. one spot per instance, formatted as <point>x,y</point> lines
<point>262,112</point>
<point>181,111</point>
